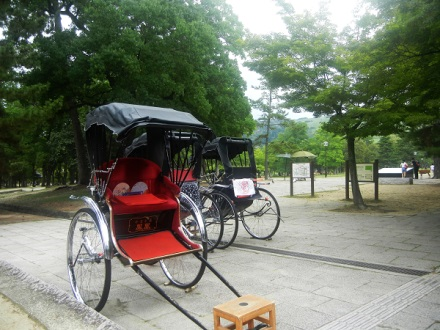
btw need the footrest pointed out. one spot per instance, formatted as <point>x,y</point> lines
<point>152,247</point>
<point>244,311</point>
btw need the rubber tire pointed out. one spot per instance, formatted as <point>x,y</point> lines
<point>80,273</point>
<point>230,218</point>
<point>253,219</point>
<point>176,269</point>
<point>213,220</point>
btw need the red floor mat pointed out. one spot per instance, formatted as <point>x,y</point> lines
<point>151,246</point>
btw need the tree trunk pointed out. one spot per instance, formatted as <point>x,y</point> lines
<point>73,174</point>
<point>266,152</point>
<point>48,176</point>
<point>357,196</point>
<point>81,151</point>
<point>266,147</point>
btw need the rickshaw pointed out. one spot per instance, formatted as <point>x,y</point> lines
<point>231,172</point>
<point>137,212</point>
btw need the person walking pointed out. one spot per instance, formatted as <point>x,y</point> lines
<point>403,166</point>
<point>416,166</point>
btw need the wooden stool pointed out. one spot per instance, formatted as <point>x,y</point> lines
<point>243,311</point>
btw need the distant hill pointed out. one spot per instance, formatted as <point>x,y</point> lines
<point>312,124</point>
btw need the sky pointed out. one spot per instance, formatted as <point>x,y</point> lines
<point>260,17</point>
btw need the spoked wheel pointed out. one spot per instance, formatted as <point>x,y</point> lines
<point>89,272</point>
<point>186,270</point>
<point>262,219</point>
<point>230,218</point>
<point>212,219</point>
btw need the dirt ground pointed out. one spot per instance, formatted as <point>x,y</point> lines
<point>396,199</point>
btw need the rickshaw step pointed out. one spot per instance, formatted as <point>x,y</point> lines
<point>245,310</point>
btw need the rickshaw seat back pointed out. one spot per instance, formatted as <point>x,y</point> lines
<point>185,175</point>
<point>134,177</point>
<point>137,185</point>
<point>132,171</point>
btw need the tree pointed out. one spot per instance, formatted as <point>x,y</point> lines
<point>331,156</point>
<point>312,66</point>
<point>410,53</point>
<point>293,138</point>
<point>172,54</point>
<point>16,146</point>
<point>388,152</point>
<point>270,113</point>
<point>267,104</point>
<point>366,150</point>
<point>259,155</point>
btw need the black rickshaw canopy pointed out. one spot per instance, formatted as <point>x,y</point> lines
<point>114,123</point>
<point>225,149</point>
<point>122,117</point>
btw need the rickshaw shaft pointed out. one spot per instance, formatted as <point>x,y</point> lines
<point>216,273</point>
<point>166,296</point>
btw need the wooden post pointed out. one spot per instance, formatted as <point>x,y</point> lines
<point>347,180</point>
<point>291,180</point>
<point>376,179</point>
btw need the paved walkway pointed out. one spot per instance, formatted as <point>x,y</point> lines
<point>323,269</point>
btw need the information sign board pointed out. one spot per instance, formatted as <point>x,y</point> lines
<point>365,172</point>
<point>300,170</point>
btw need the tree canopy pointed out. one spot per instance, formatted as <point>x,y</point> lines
<point>371,81</point>
<point>61,58</point>
<point>64,57</point>
<point>405,64</point>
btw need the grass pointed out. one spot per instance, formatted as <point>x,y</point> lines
<point>53,198</point>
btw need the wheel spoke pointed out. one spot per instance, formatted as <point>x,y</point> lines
<point>89,272</point>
